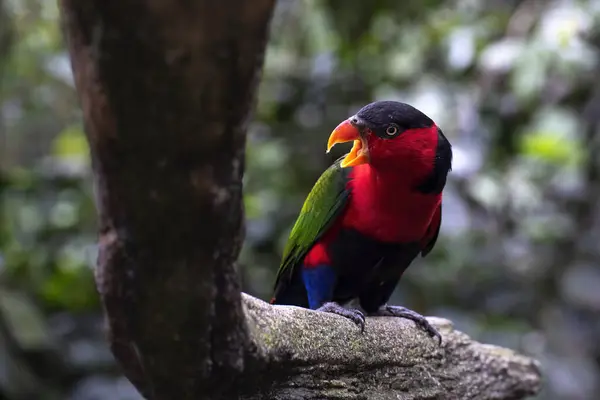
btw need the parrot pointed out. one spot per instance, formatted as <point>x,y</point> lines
<point>368,216</point>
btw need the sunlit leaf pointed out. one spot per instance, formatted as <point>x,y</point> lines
<point>551,148</point>
<point>70,288</point>
<point>70,142</point>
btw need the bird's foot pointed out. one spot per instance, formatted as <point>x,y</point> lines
<point>403,312</point>
<point>354,315</point>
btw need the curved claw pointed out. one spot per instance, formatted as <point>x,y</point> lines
<point>403,312</point>
<point>427,327</point>
<point>354,315</point>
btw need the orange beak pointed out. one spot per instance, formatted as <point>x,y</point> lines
<point>347,132</point>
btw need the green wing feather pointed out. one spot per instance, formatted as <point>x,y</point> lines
<point>325,201</point>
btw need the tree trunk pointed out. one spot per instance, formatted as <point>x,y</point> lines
<point>166,88</point>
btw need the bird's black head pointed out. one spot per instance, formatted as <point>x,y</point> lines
<point>388,119</point>
<point>389,135</point>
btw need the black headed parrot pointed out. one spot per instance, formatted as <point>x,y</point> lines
<point>368,216</point>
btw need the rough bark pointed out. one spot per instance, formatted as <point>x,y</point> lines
<point>166,87</point>
<point>322,356</point>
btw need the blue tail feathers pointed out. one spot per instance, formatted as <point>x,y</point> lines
<point>319,282</point>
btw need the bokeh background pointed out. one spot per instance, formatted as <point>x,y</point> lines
<point>513,83</point>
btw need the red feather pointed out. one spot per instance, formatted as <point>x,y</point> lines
<point>318,254</point>
<point>384,204</point>
<point>432,230</point>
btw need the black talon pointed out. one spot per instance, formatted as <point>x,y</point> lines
<point>403,312</point>
<point>354,315</point>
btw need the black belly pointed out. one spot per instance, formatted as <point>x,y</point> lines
<point>368,269</point>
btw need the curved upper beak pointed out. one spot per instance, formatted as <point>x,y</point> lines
<point>351,130</point>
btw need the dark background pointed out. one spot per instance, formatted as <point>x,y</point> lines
<point>513,84</point>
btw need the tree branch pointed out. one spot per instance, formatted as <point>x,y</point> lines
<point>166,87</point>
<point>323,356</point>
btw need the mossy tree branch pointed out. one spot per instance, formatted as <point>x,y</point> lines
<point>322,356</point>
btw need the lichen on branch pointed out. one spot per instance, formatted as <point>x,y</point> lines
<point>327,357</point>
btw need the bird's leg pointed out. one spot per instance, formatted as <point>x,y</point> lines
<point>354,315</point>
<point>403,312</point>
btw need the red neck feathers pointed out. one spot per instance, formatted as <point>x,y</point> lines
<point>409,156</point>
<point>385,203</point>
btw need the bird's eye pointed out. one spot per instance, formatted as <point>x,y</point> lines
<point>391,130</point>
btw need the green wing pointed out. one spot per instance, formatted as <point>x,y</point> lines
<point>325,201</point>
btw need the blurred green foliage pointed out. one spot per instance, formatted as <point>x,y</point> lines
<point>513,84</point>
